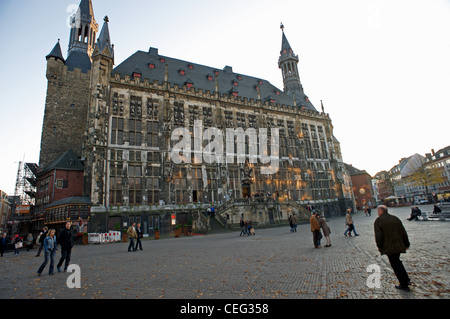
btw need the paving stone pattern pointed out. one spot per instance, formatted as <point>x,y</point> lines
<point>274,264</point>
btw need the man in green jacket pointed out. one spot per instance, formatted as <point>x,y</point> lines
<point>392,240</point>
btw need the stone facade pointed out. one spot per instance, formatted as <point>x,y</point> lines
<point>122,126</point>
<point>66,108</point>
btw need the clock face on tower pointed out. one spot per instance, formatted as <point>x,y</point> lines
<point>362,191</point>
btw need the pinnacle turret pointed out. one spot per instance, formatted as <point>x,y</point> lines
<point>56,53</point>
<point>104,45</point>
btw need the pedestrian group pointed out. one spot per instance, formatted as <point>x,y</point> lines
<point>390,237</point>
<point>317,222</point>
<point>247,227</point>
<point>135,233</point>
<point>49,244</point>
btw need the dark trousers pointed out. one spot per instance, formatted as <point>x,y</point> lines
<point>138,243</point>
<point>316,238</point>
<point>49,255</point>
<point>399,269</point>
<point>131,245</point>
<point>65,255</point>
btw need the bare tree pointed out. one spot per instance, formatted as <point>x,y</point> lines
<point>426,176</point>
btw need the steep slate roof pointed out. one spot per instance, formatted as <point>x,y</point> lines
<point>79,60</point>
<point>67,161</point>
<point>354,171</point>
<point>285,44</point>
<point>56,53</point>
<point>198,74</point>
<point>409,165</point>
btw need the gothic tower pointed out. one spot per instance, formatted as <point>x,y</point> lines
<point>67,99</point>
<point>96,135</point>
<point>82,37</point>
<point>288,64</point>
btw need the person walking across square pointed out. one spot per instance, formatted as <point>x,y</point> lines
<point>349,223</point>
<point>392,240</point>
<point>132,235</point>
<point>3,243</point>
<point>294,221</point>
<point>65,240</point>
<point>315,229</point>
<point>50,248</point>
<point>40,240</point>
<point>138,237</point>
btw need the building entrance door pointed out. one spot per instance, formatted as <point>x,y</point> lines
<point>194,196</point>
<point>246,191</point>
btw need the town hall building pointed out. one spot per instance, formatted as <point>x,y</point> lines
<point>119,120</point>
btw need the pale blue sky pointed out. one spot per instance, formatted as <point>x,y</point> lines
<point>382,68</point>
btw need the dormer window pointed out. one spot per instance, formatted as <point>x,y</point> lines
<point>260,82</point>
<point>182,72</point>
<point>233,92</point>
<point>216,72</point>
<point>190,66</point>
<point>189,84</point>
<point>277,92</point>
<point>235,83</point>
<point>270,99</point>
<point>162,60</point>
<point>239,77</point>
<point>209,77</point>
<point>136,73</point>
<point>151,65</point>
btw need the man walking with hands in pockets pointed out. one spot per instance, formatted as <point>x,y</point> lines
<point>392,240</point>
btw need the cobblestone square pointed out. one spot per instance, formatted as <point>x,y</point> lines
<point>273,264</point>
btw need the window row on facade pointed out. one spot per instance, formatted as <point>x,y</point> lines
<point>208,184</point>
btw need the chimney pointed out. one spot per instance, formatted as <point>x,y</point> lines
<point>432,152</point>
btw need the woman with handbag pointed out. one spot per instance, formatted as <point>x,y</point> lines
<point>17,244</point>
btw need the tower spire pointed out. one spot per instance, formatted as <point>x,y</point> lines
<point>82,37</point>
<point>288,64</point>
<point>104,45</point>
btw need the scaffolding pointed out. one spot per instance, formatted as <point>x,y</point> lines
<point>26,183</point>
<point>24,199</point>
